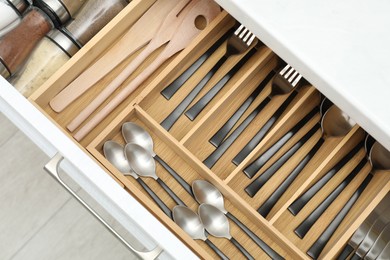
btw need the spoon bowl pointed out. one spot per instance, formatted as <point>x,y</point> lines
<point>115,155</point>
<point>379,157</point>
<point>215,222</point>
<point>336,123</point>
<point>142,163</point>
<point>133,133</point>
<point>189,221</point>
<point>140,160</point>
<point>207,193</point>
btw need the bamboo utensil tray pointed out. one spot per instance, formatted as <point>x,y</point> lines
<point>186,144</point>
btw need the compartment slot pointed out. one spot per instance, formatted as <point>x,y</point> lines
<point>199,144</point>
<point>376,190</point>
<point>172,152</point>
<point>159,107</point>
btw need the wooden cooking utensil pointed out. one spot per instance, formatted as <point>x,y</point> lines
<point>163,35</point>
<point>132,40</point>
<point>186,32</point>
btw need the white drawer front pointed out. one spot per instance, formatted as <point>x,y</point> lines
<point>90,176</point>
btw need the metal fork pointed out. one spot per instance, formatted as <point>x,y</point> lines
<point>221,134</point>
<point>238,43</point>
<point>282,83</point>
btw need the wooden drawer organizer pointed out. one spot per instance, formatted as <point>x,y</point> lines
<point>186,145</point>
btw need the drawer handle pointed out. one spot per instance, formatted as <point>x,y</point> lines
<point>52,167</point>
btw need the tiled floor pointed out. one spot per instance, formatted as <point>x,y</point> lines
<point>38,219</point>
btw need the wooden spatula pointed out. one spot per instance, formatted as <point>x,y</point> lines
<point>163,35</point>
<point>135,38</point>
<point>186,32</point>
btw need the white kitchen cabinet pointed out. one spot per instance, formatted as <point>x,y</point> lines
<point>324,42</point>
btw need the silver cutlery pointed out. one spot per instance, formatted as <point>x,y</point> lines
<point>385,254</point>
<point>222,148</point>
<point>206,193</point>
<point>241,34</point>
<point>115,154</point>
<point>190,222</point>
<point>368,240</point>
<point>173,87</point>
<point>256,165</point>
<point>133,133</point>
<point>193,112</point>
<point>334,123</point>
<point>217,224</point>
<point>263,158</point>
<point>142,163</point>
<point>221,134</point>
<point>305,197</point>
<point>382,209</point>
<point>311,219</point>
<point>379,244</point>
<point>286,81</point>
<point>380,160</point>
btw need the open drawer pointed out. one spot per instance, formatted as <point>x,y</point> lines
<point>186,145</point>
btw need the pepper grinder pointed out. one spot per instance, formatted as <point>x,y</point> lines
<point>53,51</point>
<point>16,45</point>
<point>11,12</point>
<point>60,11</point>
<point>92,17</point>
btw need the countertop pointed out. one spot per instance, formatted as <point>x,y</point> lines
<point>341,47</point>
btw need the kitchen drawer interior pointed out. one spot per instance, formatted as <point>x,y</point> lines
<point>186,145</point>
<point>182,162</point>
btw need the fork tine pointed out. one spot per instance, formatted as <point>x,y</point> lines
<point>289,73</point>
<point>242,34</point>
<point>247,36</point>
<point>284,69</point>
<point>292,76</point>
<point>237,32</point>
<point>251,40</point>
<point>297,80</point>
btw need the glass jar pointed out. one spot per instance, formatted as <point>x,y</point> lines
<point>10,14</point>
<point>60,11</point>
<point>92,17</point>
<point>51,53</point>
<point>16,45</point>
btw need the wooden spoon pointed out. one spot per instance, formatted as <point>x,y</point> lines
<point>186,32</point>
<point>164,34</point>
<point>131,41</point>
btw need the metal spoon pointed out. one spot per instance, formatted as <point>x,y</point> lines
<point>379,244</point>
<point>357,238</point>
<point>190,222</point>
<point>305,197</point>
<point>310,220</point>
<point>205,192</point>
<point>334,123</point>
<point>141,161</point>
<point>256,165</point>
<point>380,160</point>
<point>263,158</point>
<point>114,153</point>
<point>372,234</point>
<point>133,133</point>
<point>385,254</point>
<point>217,225</point>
